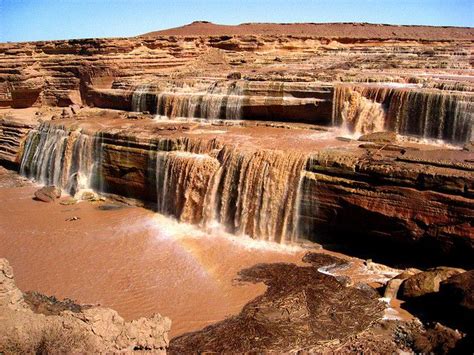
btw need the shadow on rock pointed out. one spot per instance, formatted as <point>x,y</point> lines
<point>452,306</point>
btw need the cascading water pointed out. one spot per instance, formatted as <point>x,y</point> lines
<point>216,102</point>
<point>56,156</point>
<point>182,179</point>
<point>139,98</point>
<point>251,193</point>
<point>247,191</point>
<point>361,115</point>
<point>235,97</point>
<point>256,192</point>
<point>441,115</point>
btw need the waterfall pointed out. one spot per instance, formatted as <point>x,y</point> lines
<point>214,103</point>
<point>235,97</point>
<point>139,98</point>
<point>425,113</point>
<point>361,115</point>
<point>56,156</point>
<point>43,157</point>
<point>182,179</point>
<point>246,190</point>
<point>251,193</point>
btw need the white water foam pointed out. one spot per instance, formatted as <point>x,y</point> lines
<point>166,228</point>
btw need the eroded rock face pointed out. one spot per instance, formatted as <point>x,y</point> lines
<point>12,136</point>
<point>10,296</point>
<point>420,200</point>
<point>72,329</point>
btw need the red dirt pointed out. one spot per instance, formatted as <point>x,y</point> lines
<point>324,30</point>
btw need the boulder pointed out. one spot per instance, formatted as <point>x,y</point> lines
<point>426,282</point>
<point>393,285</point>
<point>469,146</point>
<point>459,289</point>
<point>87,196</point>
<point>234,76</point>
<point>68,201</point>
<point>48,194</point>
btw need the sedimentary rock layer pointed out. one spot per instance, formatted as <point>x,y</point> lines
<point>326,30</point>
<point>64,72</point>
<point>12,136</point>
<point>389,196</point>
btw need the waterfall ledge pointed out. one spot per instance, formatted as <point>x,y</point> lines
<point>415,195</point>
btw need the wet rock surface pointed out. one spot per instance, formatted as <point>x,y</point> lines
<point>446,311</point>
<point>379,137</point>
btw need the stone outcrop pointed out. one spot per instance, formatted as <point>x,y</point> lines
<point>419,201</point>
<point>426,282</point>
<point>393,285</point>
<point>12,136</point>
<point>48,194</point>
<point>89,329</point>
<point>459,289</point>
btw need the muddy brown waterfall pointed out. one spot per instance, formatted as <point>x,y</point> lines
<point>212,102</point>
<point>251,193</point>
<point>70,159</point>
<point>435,114</point>
<point>247,191</point>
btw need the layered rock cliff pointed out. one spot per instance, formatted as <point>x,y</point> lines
<point>199,162</point>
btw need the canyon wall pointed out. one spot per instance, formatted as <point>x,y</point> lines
<point>410,80</point>
<point>261,76</point>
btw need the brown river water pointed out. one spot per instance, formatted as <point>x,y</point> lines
<point>131,259</point>
<point>136,261</point>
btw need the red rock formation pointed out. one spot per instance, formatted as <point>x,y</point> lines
<point>73,329</point>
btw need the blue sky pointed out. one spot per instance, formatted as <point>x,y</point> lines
<point>26,20</point>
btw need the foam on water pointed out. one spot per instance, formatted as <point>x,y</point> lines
<point>167,228</point>
<point>428,141</point>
